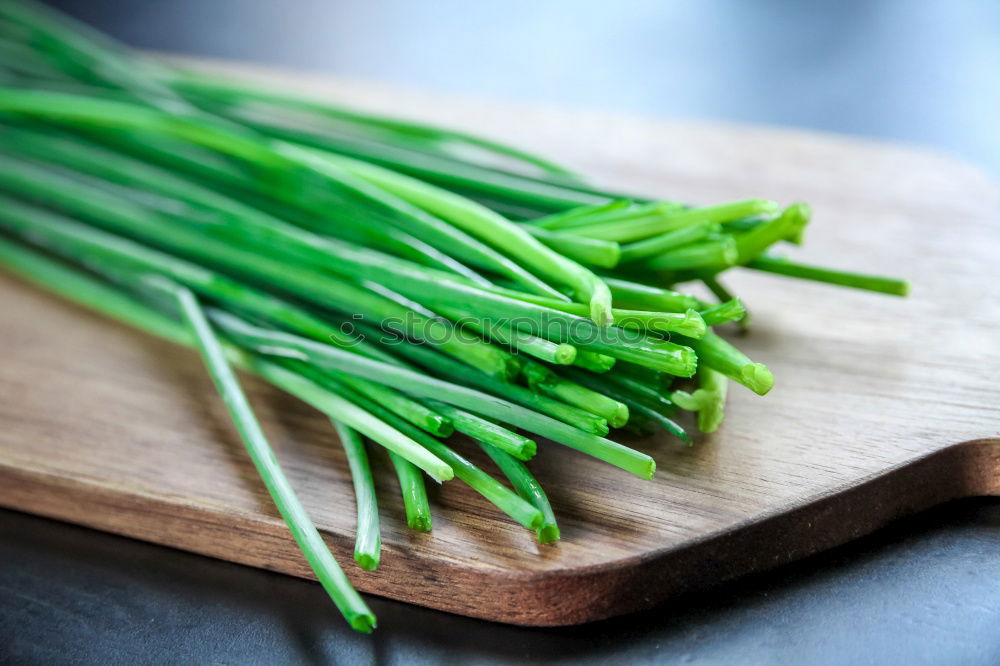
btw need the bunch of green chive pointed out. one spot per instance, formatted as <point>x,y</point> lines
<point>408,281</point>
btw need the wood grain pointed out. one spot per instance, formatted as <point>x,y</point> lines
<point>882,406</point>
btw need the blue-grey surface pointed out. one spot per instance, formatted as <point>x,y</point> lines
<point>919,71</point>
<point>926,591</point>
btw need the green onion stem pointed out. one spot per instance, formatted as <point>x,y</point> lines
<point>884,285</point>
<point>367,541</point>
<point>407,278</point>
<point>456,372</point>
<point>416,413</point>
<point>709,400</point>
<point>716,353</point>
<point>639,413</point>
<point>594,362</point>
<point>416,220</point>
<point>543,380</point>
<point>329,573</point>
<point>537,194</point>
<point>672,219</point>
<point>610,215</point>
<point>644,393</point>
<point>721,252</point>
<point>292,171</point>
<point>635,296</point>
<point>528,488</point>
<point>728,311</point>
<point>671,240</point>
<point>411,485</point>
<point>790,224</point>
<point>577,214</point>
<point>501,332</point>
<point>494,229</point>
<point>361,420</point>
<point>587,251</point>
<point>488,432</point>
<point>219,88</point>
<point>231,218</point>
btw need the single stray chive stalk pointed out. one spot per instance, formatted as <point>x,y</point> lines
<point>411,485</point>
<point>367,540</point>
<point>716,353</point>
<point>329,573</point>
<point>884,285</point>
<point>528,488</point>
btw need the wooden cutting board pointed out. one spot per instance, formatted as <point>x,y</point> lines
<point>882,406</point>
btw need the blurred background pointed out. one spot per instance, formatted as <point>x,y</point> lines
<point>920,71</point>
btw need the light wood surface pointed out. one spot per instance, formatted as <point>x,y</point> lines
<point>882,406</point>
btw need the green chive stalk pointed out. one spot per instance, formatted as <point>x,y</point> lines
<point>663,243</point>
<point>586,251</point>
<point>488,432</point>
<point>791,223</point>
<point>718,354</point>
<point>230,217</point>
<point>491,227</point>
<point>641,416</point>
<point>411,485</point>
<point>367,540</point>
<point>528,488</point>
<point>455,372</point>
<point>671,219</point>
<point>724,312</point>
<point>543,380</point>
<point>884,285</point>
<point>709,400</point>
<point>722,252</point>
<point>329,573</point>
<point>594,362</point>
<point>636,296</point>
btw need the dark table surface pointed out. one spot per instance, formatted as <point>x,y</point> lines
<point>926,590</point>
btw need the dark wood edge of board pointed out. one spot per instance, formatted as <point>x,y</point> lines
<point>551,598</point>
